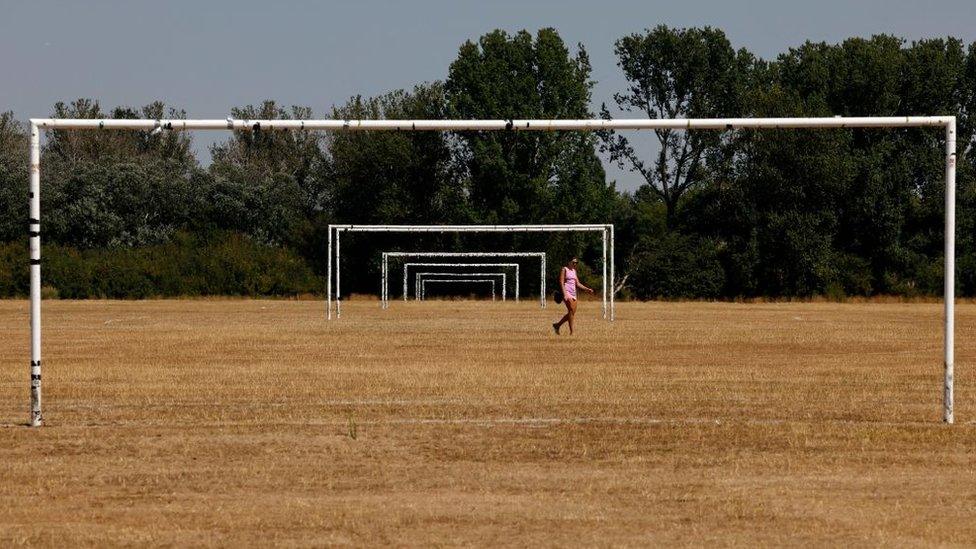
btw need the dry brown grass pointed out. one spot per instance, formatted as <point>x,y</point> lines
<point>256,422</point>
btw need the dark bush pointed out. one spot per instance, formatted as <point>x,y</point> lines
<point>189,265</point>
<point>676,266</point>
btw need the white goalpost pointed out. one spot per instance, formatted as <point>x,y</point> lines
<point>407,266</point>
<point>423,285</point>
<point>946,123</point>
<point>335,257</point>
<point>419,277</point>
<point>385,269</point>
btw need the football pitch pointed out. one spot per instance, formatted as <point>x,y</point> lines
<point>252,422</point>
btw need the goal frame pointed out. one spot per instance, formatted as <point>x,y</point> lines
<point>423,285</point>
<point>385,270</point>
<point>502,277</point>
<point>946,123</point>
<point>607,261</point>
<point>514,266</point>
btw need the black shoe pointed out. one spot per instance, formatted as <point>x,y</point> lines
<point>555,327</point>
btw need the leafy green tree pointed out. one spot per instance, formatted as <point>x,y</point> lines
<point>13,178</point>
<point>394,177</point>
<point>677,73</point>
<point>68,148</point>
<point>261,157</point>
<point>527,176</point>
<point>676,266</point>
<point>391,177</point>
<point>119,188</point>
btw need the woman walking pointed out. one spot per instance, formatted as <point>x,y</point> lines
<point>569,282</point>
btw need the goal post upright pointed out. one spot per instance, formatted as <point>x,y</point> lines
<point>542,283</point>
<point>338,301</point>
<point>948,412</point>
<point>613,279</point>
<point>603,265</point>
<point>328,299</point>
<point>34,233</point>
<point>948,123</point>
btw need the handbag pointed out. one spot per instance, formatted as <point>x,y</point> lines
<point>557,296</point>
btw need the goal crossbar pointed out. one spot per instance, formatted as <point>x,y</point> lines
<point>947,123</point>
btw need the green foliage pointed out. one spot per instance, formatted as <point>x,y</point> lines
<point>220,264</point>
<point>675,266</point>
<point>392,177</point>
<point>722,214</point>
<point>13,177</point>
<point>677,73</point>
<point>516,177</point>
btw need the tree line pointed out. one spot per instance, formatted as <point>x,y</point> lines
<point>719,214</point>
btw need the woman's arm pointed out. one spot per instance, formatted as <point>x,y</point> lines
<point>562,278</point>
<point>581,285</point>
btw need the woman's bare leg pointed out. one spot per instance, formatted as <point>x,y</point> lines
<point>568,317</point>
<point>570,313</point>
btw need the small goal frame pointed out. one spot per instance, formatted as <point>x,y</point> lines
<point>406,270</point>
<point>385,270</point>
<point>423,285</point>
<point>502,277</point>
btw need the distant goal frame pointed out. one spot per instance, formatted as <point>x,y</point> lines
<point>421,276</point>
<point>334,262</point>
<point>386,256</point>
<point>946,123</point>
<point>504,275</point>
<point>423,286</point>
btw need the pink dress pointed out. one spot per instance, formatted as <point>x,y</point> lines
<point>569,286</point>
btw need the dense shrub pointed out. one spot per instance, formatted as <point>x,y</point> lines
<point>676,266</point>
<point>219,264</point>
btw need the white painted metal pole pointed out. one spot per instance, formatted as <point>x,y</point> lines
<point>518,277</point>
<point>604,278</point>
<point>328,293</point>
<point>404,283</point>
<point>338,291</point>
<point>34,195</point>
<point>542,283</point>
<point>491,125</point>
<point>613,279</point>
<point>948,414</point>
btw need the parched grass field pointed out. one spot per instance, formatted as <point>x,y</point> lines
<point>256,422</point>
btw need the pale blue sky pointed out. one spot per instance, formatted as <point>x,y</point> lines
<point>207,56</point>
